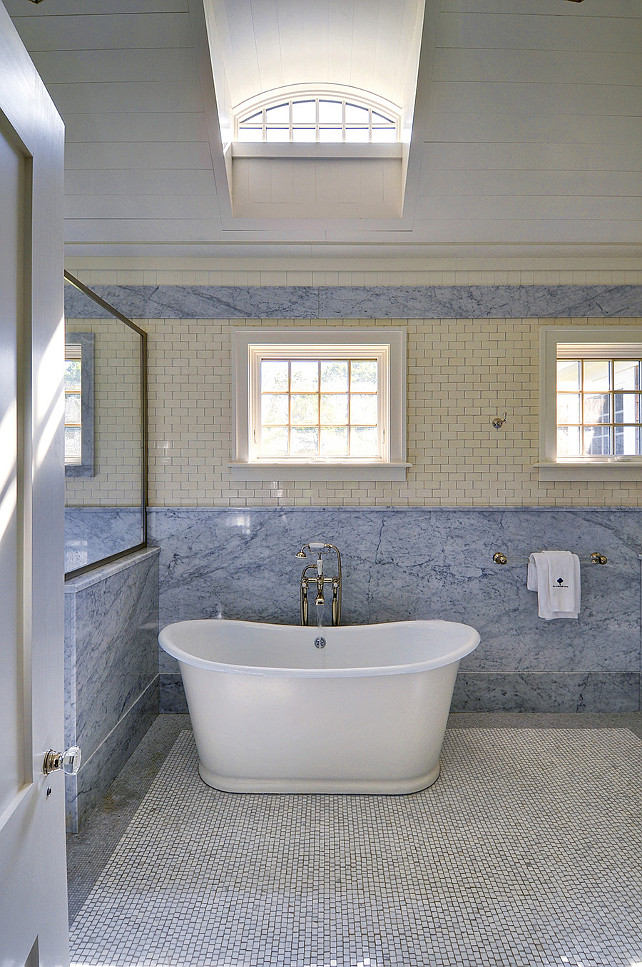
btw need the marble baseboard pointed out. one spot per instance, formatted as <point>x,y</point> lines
<point>360,302</point>
<point>172,694</point>
<point>86,789</point>
<point>547,692</point>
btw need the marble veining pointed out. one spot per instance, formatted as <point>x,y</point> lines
<point>84,791</point>
<point>111,663</point>
<point>546,691</point>
<point>360,302</point>
<point>421,563</point>
<point>479,301</point>
<point>92,533</point>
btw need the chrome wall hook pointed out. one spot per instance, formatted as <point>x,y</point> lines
<point>499,421</point>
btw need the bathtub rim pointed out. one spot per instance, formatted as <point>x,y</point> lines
<point>358,671</point>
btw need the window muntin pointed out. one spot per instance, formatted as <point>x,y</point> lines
<point>590,408</point>
<point>73,404</point>
<point>327,404</point>
<point>598,407</point>
<point>312,403</point>
<point>318,120</point>
<point>316,408</point>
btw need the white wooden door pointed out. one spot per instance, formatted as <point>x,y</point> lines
<point>33,895</point>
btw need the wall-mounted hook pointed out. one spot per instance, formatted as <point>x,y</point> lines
<point>499,421</point>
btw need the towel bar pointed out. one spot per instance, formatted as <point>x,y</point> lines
<point>596,558</point>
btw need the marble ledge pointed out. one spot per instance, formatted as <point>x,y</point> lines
<point>102,572</point>
<point>396,509</point>
<point>359,302</point>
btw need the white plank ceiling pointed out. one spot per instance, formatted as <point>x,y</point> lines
<point>527,133</point>
<point>270,44</point>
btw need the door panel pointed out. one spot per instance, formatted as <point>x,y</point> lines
<point>33,896</point>
<point>12,718</point>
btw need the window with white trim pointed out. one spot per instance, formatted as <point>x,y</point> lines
<point>79,404</point>
<point>591,404</point>
<point>319,404</point>
<point>310,118</point>
<point>73,404</point>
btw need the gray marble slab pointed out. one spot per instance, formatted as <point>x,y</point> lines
<point>172,694</point>
<point>547,691</point>
<point>93,533</point>
<point>115,654</point>
<point>479,301</point>
<point>198,302</point>
<point>111,668</point>
<point>360,302</point>
<point>409,563</point>
<point>84,791</point>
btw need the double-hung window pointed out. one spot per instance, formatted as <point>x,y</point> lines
<point>320,404</point>
<point>591,404</point>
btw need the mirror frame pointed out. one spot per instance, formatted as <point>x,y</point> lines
<point>144,432</point>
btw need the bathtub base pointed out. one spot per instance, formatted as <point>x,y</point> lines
<point>347,787</point>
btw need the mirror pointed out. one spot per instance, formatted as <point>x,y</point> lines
<point>105,433</point>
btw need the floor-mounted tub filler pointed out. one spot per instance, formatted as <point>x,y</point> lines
<point>357,709</point>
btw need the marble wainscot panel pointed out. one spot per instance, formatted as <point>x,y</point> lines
<point>92,533</point>
<point>407,563</point>
<point>360,302</point>
<point>111,672</point>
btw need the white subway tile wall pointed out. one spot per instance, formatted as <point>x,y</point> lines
<point>461,374</point>
<point>117,440</point>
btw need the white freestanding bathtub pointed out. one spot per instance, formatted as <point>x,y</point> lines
<point>365,713</point>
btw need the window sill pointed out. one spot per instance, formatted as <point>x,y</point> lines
<point>319,471</point>
<point>79,470</point>
<point>607,470</point>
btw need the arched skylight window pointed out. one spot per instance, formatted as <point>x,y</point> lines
<point>318,119</point>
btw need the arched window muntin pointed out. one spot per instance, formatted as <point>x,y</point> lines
<point>318,118</point>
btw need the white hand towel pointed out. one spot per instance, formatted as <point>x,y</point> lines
<point>555,575</point>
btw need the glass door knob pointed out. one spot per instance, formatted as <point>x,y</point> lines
<point>67,762</point>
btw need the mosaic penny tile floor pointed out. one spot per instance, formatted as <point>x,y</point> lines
<point>527,852</point>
